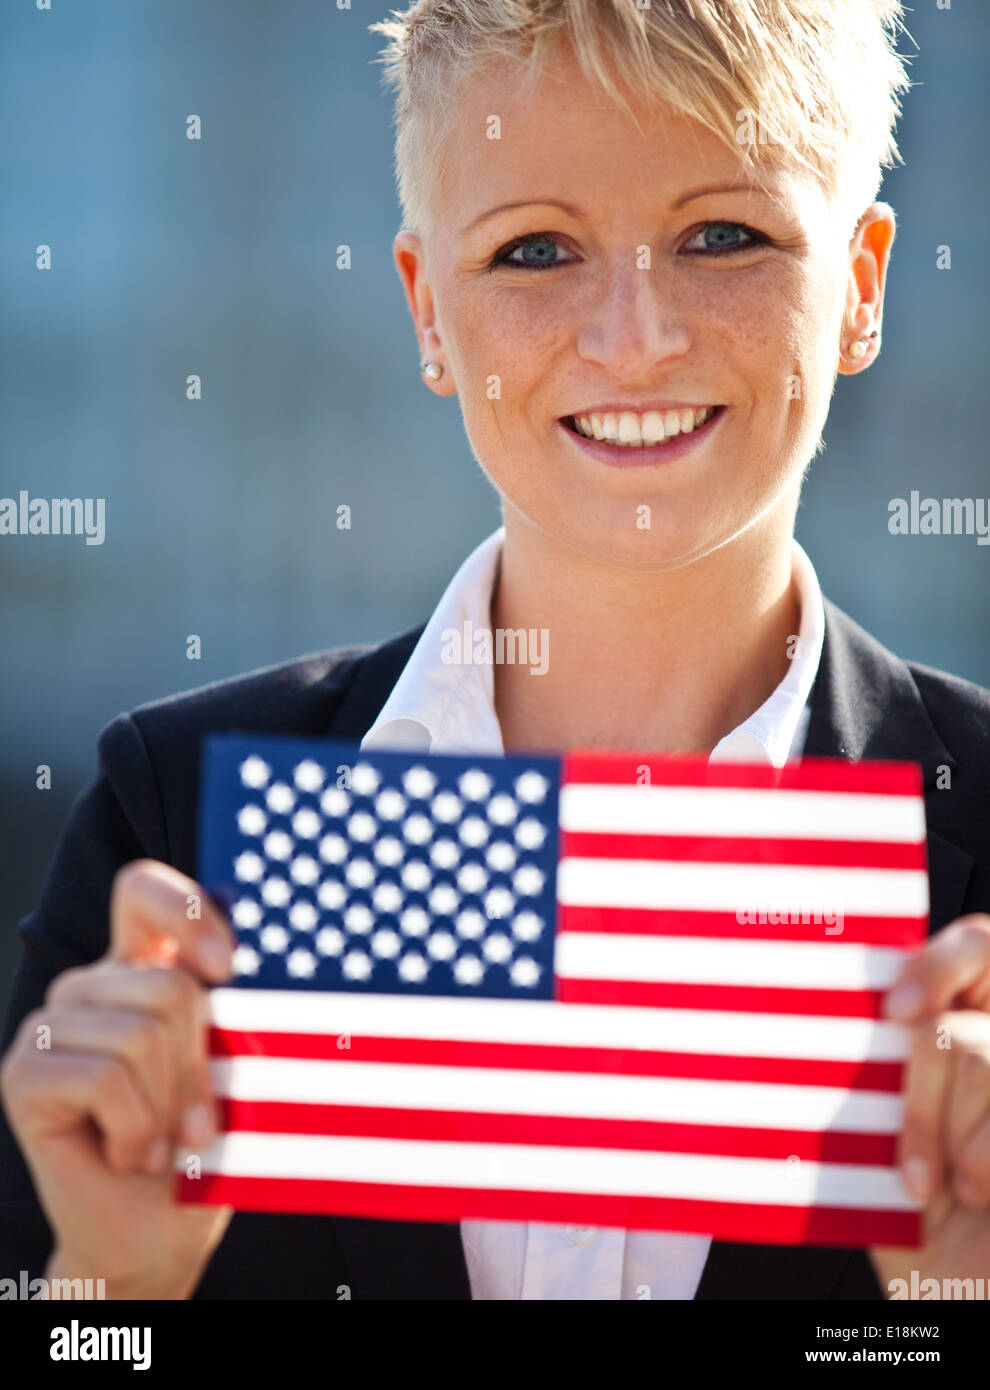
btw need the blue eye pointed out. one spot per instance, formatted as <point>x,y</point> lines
<point>538,253</point>
<point>719,237</point>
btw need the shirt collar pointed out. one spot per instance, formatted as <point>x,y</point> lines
<point>446,707</point>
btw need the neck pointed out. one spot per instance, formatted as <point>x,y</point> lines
<point>671,662</point>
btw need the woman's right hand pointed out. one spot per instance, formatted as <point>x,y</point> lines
<point>110,1074</point>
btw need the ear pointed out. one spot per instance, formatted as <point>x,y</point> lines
<point>410,261</point>
<point>869,257</point>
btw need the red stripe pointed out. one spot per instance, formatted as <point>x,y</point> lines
<point>451,1052</point>
<point>694,770</point>
<point>648,921</point>
<point>737,849</point>
<point>724,1220</point>
<point>384,1122</point>
<point>757,999</point>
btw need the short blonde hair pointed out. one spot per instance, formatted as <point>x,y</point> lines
<point>812,84</point>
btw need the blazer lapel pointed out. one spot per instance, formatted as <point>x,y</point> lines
<point>864,705</point>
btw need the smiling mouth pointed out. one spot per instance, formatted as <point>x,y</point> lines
<point>639,430</point>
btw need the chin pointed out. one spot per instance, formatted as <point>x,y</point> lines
<point>661,547</point>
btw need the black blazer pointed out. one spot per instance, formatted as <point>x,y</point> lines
<point>866,703</point>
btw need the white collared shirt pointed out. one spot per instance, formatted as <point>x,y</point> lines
<point>449,707</point>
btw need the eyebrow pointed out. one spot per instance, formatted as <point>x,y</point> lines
<point>573,211</point>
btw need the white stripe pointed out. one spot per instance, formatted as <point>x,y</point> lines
<point>566,1025</point>
<point>742,888</point>
<point>741,812</point>
<point>720,961</point>
<point>526,1168</point>
<point>501,1091</point>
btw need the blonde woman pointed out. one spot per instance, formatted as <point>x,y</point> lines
<point>639,243</point>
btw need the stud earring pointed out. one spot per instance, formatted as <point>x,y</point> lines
<point>859,348</point>
<point>433,370</point>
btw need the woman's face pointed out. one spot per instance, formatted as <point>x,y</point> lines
<point>667,284</point>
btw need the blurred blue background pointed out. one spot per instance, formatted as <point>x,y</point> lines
<point>217,257</point>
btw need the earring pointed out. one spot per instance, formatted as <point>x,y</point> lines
<point>859,348</point>
<point>433,370</point>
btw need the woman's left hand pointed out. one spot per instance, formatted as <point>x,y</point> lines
<point>943,993</point>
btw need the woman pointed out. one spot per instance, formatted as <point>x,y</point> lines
<point>639,263</point>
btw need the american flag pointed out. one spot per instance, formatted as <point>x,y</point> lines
<point>628,990</point>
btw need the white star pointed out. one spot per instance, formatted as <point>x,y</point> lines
<point>306,823</point>
<point>472,879</point>
<point>360,873</point>
<point>414,922</point>
<point>387,897</point>
<point>530,834</point>
<point>531,787</point>
<point>304,869</point>
<point>389,851</point>
<point>335,802</point>
<point>331,894</point>
<point>524,972</point>
<point>246,913</point>
<point>446,807</point>
<point>413,968</point>
<point>528,880</point>
<point>475,784</point>
<point>419,782</point>
<point>303,916</point>
<point>356,965</point>
<point>364,779</point>
<point>469,971</point>
<point>276,892</point>
<point>300,963</point>
<point>497,948</point>
<point>249,867</point>
<point>416,876</point>
<point>444,854</point>
<point>502,809</point>
<point>527,926</point>
<point>441,945</point>
<point>386,943</point>
<point>308,776</point>
<point>278,845</point>
<point>474,831</point>
<point>417,829</point>
<point>390,804</point>
<point>470,923</point>
<point>499,902</point>
<point>330,941</point>
<point>254,771</point>
<point>333,849</point>
<point>281,798</point>
<point>273,938</point>
<point>359,918</point>
<point>251,820</point>
<point>444,900</point>
<point>501,856</point>
<point>246,960</point>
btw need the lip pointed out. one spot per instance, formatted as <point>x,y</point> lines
<point>647,455</point>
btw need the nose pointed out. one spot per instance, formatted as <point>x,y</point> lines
<point>635,323</point>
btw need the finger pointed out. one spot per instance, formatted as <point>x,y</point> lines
<point>926,1097</point>
<point>160,916</point>
<point>968,1129</point>
<point>180,1004</point>
<point>49,1093</point>
<point>951,969</point>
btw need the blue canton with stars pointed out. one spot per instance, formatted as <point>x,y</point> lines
<point>385,873</point>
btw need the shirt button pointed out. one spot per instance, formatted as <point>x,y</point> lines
<point>581,1235</point>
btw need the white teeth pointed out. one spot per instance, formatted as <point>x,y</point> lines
<point>634,430</point>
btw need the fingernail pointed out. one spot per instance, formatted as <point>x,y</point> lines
<point>904,1002</point>
<point>158,1157</point>
<point>197,1125</point>
<point>215,955</point>
<point>918,1178</point>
